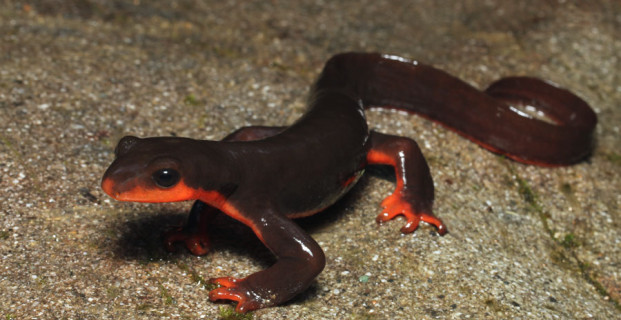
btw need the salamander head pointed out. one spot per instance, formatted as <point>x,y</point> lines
<point>152,170</point>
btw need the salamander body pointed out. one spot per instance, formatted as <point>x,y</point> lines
<point>264,176</point>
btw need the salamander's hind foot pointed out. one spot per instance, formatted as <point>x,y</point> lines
<point>197,243</point>
<point>236,290</point>
<point>394,206</point>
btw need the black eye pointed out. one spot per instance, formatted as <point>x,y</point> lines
<point>166,178</point>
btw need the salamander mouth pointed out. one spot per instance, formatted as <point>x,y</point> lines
<point>108,186</point>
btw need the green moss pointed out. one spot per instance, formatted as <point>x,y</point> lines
<point>197,277</point>
<point>562,252</point>
<point>225,52</point>
<point>279,66</point>
<point>530,197</point>
<point>567,189</point>
<point>166,297</point>
<point>113,292</point>
<point>494,305</point>
<point>144,307</point>
<point>526,192</point>
<point>228,313</point>
<point>10,316</point>
<point>200,121</point>
<point>570,241</point>
<point>4,235</point>
<point>191,100</point>
<point>558,256</point>
<point>476,187</point>
<point>613,157</point>
<point>590,276</point>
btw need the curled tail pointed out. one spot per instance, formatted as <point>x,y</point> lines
<point>491,118</point>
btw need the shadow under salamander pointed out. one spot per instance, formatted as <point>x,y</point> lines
<point>140,237</point>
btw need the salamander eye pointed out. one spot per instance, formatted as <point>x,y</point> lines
<point>166,178</point>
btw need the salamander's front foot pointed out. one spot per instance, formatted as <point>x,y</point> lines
<point>196,242</point>
<point>394,205</point>
<point>236,290</point>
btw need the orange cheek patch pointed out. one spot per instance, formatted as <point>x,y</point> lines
<point>180,192</point>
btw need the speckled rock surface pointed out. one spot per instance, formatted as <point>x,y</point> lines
<point>75,76</point>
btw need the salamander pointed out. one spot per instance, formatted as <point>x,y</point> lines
<point>265,176</point>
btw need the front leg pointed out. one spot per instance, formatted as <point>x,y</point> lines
<point>300,260</point>
<point>413,196</point>
<point>194,233</point>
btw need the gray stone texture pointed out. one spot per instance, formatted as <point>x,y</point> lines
<point>525,242</point>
